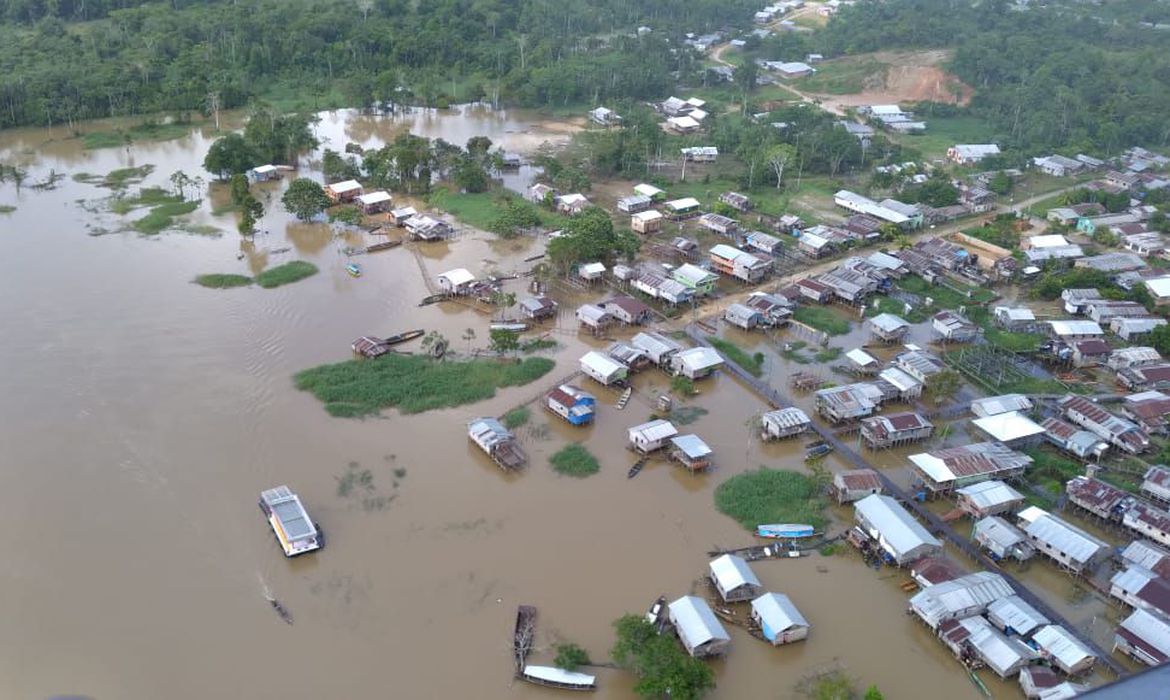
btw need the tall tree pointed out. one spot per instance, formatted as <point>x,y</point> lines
<point>305,199</point>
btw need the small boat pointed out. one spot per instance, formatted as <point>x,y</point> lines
<point>818,452</point>
<point>432,299</point>
<point>354,269</point>
<point>511,326</point>
<point>553,677</point>
<point>404,336</point>
<point>656,615</point>
<point>636,468</point>
<point>281,610</point>
<point>383,246</point>
<point>295,532</point>
<point>785,531</point>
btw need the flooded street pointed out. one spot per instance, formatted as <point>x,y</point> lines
<point>141,415</point>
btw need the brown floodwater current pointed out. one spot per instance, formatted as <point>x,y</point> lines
<point>141,415</point>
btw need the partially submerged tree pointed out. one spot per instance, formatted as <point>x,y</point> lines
<point>305,199</point>
<point>590,236</point>
<point>662,667</point>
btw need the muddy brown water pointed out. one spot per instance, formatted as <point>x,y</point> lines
<point>141,415</point>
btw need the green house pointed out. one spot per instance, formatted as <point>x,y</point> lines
<point>695,278</point>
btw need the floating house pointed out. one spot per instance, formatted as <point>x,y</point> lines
<point>593,317</point>
<point>659,348</point>
<point>652,436</point>
<point>855,484</point>
<point>895,429</point>
<point>458,281</point>
<point>628,310</point>
<point>691,452</point>
<point>1013,615</point>
<point>743,316</point>
<point>784,423</point>
<point>346,191</point>
<point>696,363</point>
<point>699,631</point>
<point>779,620</point>
<point>734,579</point>
<point>1002,539</point>
<point>896,531</point>
<point>888,328</point>
<point>374,202</point>
<point>961,598</point>
<point>1144,637</point>
<point>498,442</point>
<point>988,498</point>
<point>294,530</point>
<point>538,307</point>
<point>571,403</point>
<point>646,222</point>
<point>603,369</point>
<point>1067,545</point>
<point>370,347</point>
<point>944,470</point>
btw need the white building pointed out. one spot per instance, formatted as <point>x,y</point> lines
<point>700,632</point>
<point>734,579</point>
<point>902,537</point>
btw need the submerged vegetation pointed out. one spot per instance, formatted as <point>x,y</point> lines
<point>146,131</point>
<point>162,217</point>
<point>287,273</point>
<point>822,319</point>
<point>516,417</point>
<point>413,383</point>
<point>752,363</point>
<point>574,460</point>
<point>658,661</point>
<point>221,280</point>
<point>116,179</point>
<point>771,496</point>
<point>7,208</point>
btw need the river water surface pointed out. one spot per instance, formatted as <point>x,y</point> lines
<point>141,415</point>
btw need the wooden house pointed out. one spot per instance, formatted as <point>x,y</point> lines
<point>652,436</point>
<point>370,347</point>
<point>988,498</point>
<point>538,307</point>
<point>572,203</point>
<point>634,204</point>
<point>735,263</point>
<point>660,349</point>
<point>342,192</point>
<point>779,620</point>
<point>603,369</point>
<point>573,404</point>
<point>541,193</point>
<point>685,208</point>
<point>743,316</point>
<point>458,281</point>
<point>737,201</point>
<point>855,484</point>
<point>425,228</point>
<point>591,272</point>
<point>399,216</point>
<point>646,222</point>
<point>634,358</point>
<point>774,310</point>
<point>594,318</point>
<point>895,429</point>
<point>262,173</point>
<point>784,423</point>
<point>498,442</point>
<point>699,281</point>
<point>628,310</point>
<point>691,452</point>
<point>723,225</point>
<point>1002,539</point>
<point>734,579</point>
<point>888,328</point>
<point>374,202</point>
<point>696,363</point>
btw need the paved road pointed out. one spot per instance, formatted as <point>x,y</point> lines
<point>934,523</point>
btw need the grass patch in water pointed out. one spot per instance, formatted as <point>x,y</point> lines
<point>116,179</point>
<point>771,496</point>
<point>685,415</point>
<point>574,460</point>
<point>7,208</point>
<point>516,417</point>
<point>149,131</point>
<point>754,364</point>
<point>536,344</point>
<point>792,352</point>
<point>413,383</point>
<point>163,216</point>
<point>287,273</point>
<point>146,197</point>
<point>222,281</point>
<point>828,354</point>
<point>822,319</point>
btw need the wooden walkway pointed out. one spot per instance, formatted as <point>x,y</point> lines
<point>934,523</point>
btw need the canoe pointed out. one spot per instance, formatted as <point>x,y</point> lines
<point>354,269</point>
<point>636,468</point>
<point>514,327</point>
<point>404,336</point>
<point>818,452</point>
<point>432,299</point>
<point>785,531</point>
<point>383,246</point>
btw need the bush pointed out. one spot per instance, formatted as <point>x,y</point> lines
<point>223,281</point>
<point>287,273</point>
<point>575,460</point>
<point>770,496</point>
<point>570,656</point>
<point>516,417</point>
<point>658,661</point>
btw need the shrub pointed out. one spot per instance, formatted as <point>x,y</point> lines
<point>223,281</point>
<point>575,460</point>
<point>287,273</point>
<point>770,496</point>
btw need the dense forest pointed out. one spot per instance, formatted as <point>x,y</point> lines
<point>1057,77</point>
<point>63,60</point>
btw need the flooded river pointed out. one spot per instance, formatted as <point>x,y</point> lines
<point>141,415</point>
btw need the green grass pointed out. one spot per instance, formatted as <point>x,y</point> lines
<point>792,352</point>
<point>884,305</point>
<point>162,217</point>
<point>7,208</point>
<point>116,179</point>
<point>574,460</point>
<point>822,319</point>
<point>222,281</point>
<point>1048,464</point>
<point>516,417</point>
<point>752,363</point>
<point>828,354</point>
<point>148,131</point>
<point>771,496</point>
<point>944,297</point>
<point>413,383</point>
<point>287,273</point>
<point>146,197</point>
<point>842,77</point>
<point>295,97</point>
<point>480,209</point>
<point>944,132</point>
<point>536,345</point>
<point>1016,342</point>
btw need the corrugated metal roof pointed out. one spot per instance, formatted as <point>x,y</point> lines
<point>861,358</point>
<point>1152,630</point>
<point>602,364</point>
<point>897,528</point>
<point>1014,612</point>
<point>1064,537</point>
<point>691,445</point>
<point>989,494</point>
<point>693,274</point>
<point>457,277</point>
<point>777,611</point>
<point>888,323</point>
<point>1009,426</point>
<point>732,572</point>
<point>655,430</point>
<point>997,651</point>
<point>965,461</point>
<point>700,358</point>
<point>971,592</point>
<point>695,621</point>
<point>898,377</point>
<point>1076,328</point>
<point>1059,643</point>
<point>999,531</point>
<point>790,417</point>
<point>1148,555</point>
<point>858,480</point>
<point>655,343</point>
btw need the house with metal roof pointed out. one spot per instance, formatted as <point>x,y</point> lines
<point>971,153</point>
<point>1076,441</point>
<point>952,327</point>
<point>849,402</point>
<point>1013,318</point>
<point>1071,330</point>
<point>888,328</point>
<point>900,536</point>
<point>1115,430</point>
<point>1156,483</point>
<point>1013,429</point>
<point>742,316</point>
<point>1002,539</point>
<point>731,261</point>
<point>1112,262</point>
<point>691,452</point>
<point>1145,637</point>
<point>634,204</point>
<point>374,202</point>
<point>658,347</point>
<point>538,307</point>
<point>1041,682</point>
<point>701,282</point>
<point>895,383</point>
<point>774,310</point>
<point>1006,656</point>
<point>963,597</point>
<point>944,470</point>
<point>764,243</point>
<point>718,223</point>
<point>784,423</point>
<point>572,204</point>
<point>345,191</point>
<point>1133,329</point>
<point>895,429</point>
<point>734,579</point>
<point>573,404</point>
<point>994,405</point>
<point>633,358</point>
<point>593,317</point>
<point>498,442</point>
<point>648,437</point>
<point>861,362</point>
<point>684,208</point>
<point>458,281</point>
<point>700,632</point>
<point>628,310</point>
<point>1099,498</point>
<point>855,484</point>
<point>1146,520</point>
<point>1141,588</point>
<point>918,363</point>
<point>849,285</point>
<point>1014,616</point>
<point>603,369</point>
<point>1066,544</point>
<point>1149,556</point>
<point>988,498</point>
<point>658,286</point>
<point>931,571</point>
<point>779,620</point>
<point>1133,356</point>
<point>1145,378</point>
<point>696,363</point>
<point>647,221</point>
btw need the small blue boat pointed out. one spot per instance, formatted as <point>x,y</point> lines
<point>354,269</point>
<point>785,531</point>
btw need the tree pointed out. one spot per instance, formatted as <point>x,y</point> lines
<point>872,693</point>
<point>305,199</point>
<point>239,189</point>
<point>470,176</point>
<point>230,155</point>
<point>504,341</point>
<point>590,236</point>
<point>778,158</point>
<point>661,666</point>
<point>570,656</point>
<point>435,344</point>
<point>1001,184</point>
<point>1160,339</point>
<point>478,147</point>
<point>943,385</point>
<point>336,167</point>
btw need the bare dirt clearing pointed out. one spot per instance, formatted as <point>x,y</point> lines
<point>890,78</point>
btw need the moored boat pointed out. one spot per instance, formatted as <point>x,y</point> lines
<point>656,615</point>
<point>295,532</point>
<point>432,299</point>
<point>511,326</point>
<point>553,677</point>
<point>523,635</point>
<point>785,531</point>
<point>354,269</point>
<point>387,245</point>
<point>404,336</point>
<point>818,451</point>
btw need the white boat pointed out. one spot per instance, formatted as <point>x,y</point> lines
<point>554,677</point>
<point>295,532</point>
<point>785,531</point>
